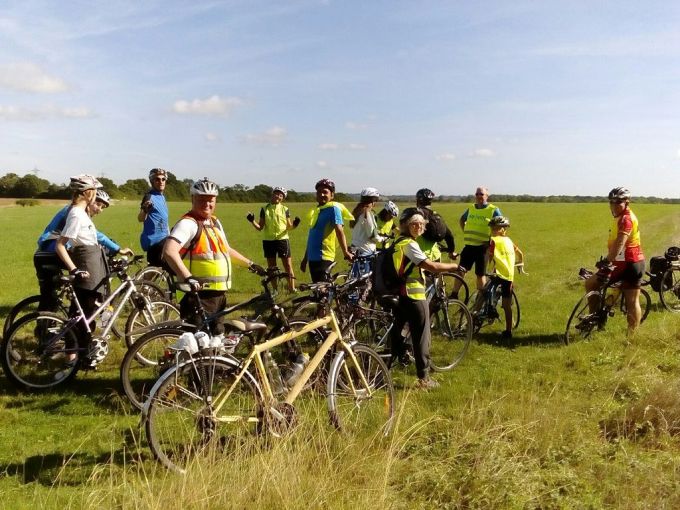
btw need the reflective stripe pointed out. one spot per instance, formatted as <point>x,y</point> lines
<point>477,231</point>
<point>414,286</point>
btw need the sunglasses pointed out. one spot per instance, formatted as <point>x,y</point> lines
<point>617,202</point>
<point>160,179</point>
<point>479,194</point>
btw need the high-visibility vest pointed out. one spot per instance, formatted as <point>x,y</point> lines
<point>477,231</point>
<point>633,240</point>
<point>207,257</point>
<point>414,281</point>
<point>275,222</point>
<point>504,257</point>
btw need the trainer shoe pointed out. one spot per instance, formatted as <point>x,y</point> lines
<point>426,384</point>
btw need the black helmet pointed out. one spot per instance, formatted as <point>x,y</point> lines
<point>619,194</point>
<point>424,196</point>
<point>499,221</point>
<point>409,213</point>
<point>325,183</point>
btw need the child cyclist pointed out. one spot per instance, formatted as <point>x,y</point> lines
<point>275,222</point>
<point>504,254</point>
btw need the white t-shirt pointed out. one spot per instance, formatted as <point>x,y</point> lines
<point>365,234</point>
<point>79,228</point>
<point>413,252</point>
<point>185,230</point>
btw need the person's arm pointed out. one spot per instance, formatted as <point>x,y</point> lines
<point>450,243</point>
<point>62,253</point>
<point>257,225</point>
<point>241,259</point>
<point>438,267</point>
<point>340,233</point>
<point>463,220</point>
<point>173,258</point>
<point>617,245</point>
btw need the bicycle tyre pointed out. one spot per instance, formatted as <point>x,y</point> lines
<point>148,289</point>
<point>374,331</point>
<point>645,304</point>
<point>448,348</point>
<point>669,291</point>
<point>26,361</point>
<point>159,277</point>
<point>153,312</point>
<point>582,322</point>
<point>179,419</point>
<point>351,405</point>
<point>463,292</point>
<point>26,306</point>
<point>143,363</point>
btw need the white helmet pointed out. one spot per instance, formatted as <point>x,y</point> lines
<point>391,208</point>
<point>281,190</point>
<point>103,197</point>
<point>370,193</point>
<point>83,182</point>
<point>154,172</point>
<point>204,187</point>
<point>620,194</point>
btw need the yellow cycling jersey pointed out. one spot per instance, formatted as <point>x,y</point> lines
<point>275,222</point>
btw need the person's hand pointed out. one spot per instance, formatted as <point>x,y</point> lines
<point>127,252</point>
<point>80,274</point>
<point>250,217</point>
<point>453,255</point>
<point>349,256</point>
<point>257,269</point>
<point>296,221</point>
<point>194,284</point>
<point>461,270</point>
<point>146,206</point>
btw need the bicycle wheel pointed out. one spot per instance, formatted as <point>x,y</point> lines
<point>449,345</point>
<point>148,315</point>
<point>308,309</point>
<point>448,280</point>
<point>374,331</point>
<point>669,292</point>
<point>35,352</point>
<point>199,409</point>
<point>516,314</point>
<point>352,404</point>
<point>26,306</point>
<point>145,361</point>
<point>159,277</point>
<point>582,322</point>
<point>148,289</point>
<point>645,304</point>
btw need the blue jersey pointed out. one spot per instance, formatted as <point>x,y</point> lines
<point>156,223</point>
<point>48,239</point>
<point>321,239</point>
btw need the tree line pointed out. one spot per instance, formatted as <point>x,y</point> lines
<point>32,186</point>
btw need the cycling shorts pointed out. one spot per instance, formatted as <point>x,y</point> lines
<point>629,273</point>
<point>280,248</point>
<point>319,270</point>
<point>474,255</point>
<point>506,287</point>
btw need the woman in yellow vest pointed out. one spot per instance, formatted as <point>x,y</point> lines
<point>386,220</point>
<point>274,224</point>
<point>413,309</point>
<point>504,254</point>
<point>198,252</point>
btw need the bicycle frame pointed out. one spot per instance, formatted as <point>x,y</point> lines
<point>129,287</point>
<point>255,357</point>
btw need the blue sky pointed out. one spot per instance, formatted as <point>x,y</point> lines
<point>524,97</point>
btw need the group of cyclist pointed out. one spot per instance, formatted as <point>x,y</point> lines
<point>196,249</point>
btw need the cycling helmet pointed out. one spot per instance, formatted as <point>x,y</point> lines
<point>370,193</point>
<point>499,221</point>
<point>619,194</point>
<point>84,182</point>
<point>391,208</point>
<point>424,196</point>
<point>281,190</point>
<point>204,187</point>
<point>325,183</point>
<point>157,171</point>
<point>103,197</point>
<point>411,214</point>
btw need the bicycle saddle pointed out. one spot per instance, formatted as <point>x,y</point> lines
<point>245,325</point>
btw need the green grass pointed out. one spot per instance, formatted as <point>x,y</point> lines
<point>590,425</point>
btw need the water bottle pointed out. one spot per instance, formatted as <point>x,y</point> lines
<point>274,373</point>
<point>297,368</point>
<point>105,317</point>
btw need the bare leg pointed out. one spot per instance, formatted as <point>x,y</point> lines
<point>288,268</point>
<point>634,312</point>
<point>271,263</point>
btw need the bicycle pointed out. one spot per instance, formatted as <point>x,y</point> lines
<point>669,284</point>
<point>160,277</point>
<point>149,356</point>
<point>38,351</point>
<point>485,308</point>
<point>202,405</point>
<point>582,321</point>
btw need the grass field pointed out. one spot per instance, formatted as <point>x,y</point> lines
<point>589,425</point>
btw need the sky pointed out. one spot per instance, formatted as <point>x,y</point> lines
<point>524,97</point>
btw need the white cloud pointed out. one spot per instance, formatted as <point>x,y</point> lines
<point>28,77</point>
<point>482,153</point>
<point>449,156</point>
<point>48,112</point>
<point>356,146</point>
<point>355,125</point>
<point>321,164</point>
<point>274,136</point>
<point>329,146</point>
<point>211,137</point>
<point>214,105</point>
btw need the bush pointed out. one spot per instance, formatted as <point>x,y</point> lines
<point>24,202</point>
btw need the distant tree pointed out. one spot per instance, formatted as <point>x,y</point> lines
<point>134,188</point>
<point>30,186</point>
<point>7,183</point>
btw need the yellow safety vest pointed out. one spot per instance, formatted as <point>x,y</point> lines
<point>504,257</point>
<point>477,231</point>
<point>275,222</point>
<point>385,228</point>
<point>414,286</point>
<point>207,259</point>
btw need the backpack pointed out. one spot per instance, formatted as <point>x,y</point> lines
<point>435,230</point>
<point>384,279</point>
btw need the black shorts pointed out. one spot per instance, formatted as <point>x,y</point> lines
<point>506,287</point>
<point>474,255</point>
<point>629,273</point>
<point>154,254</point>
<point>280,248</point>
<point>319,270</point>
